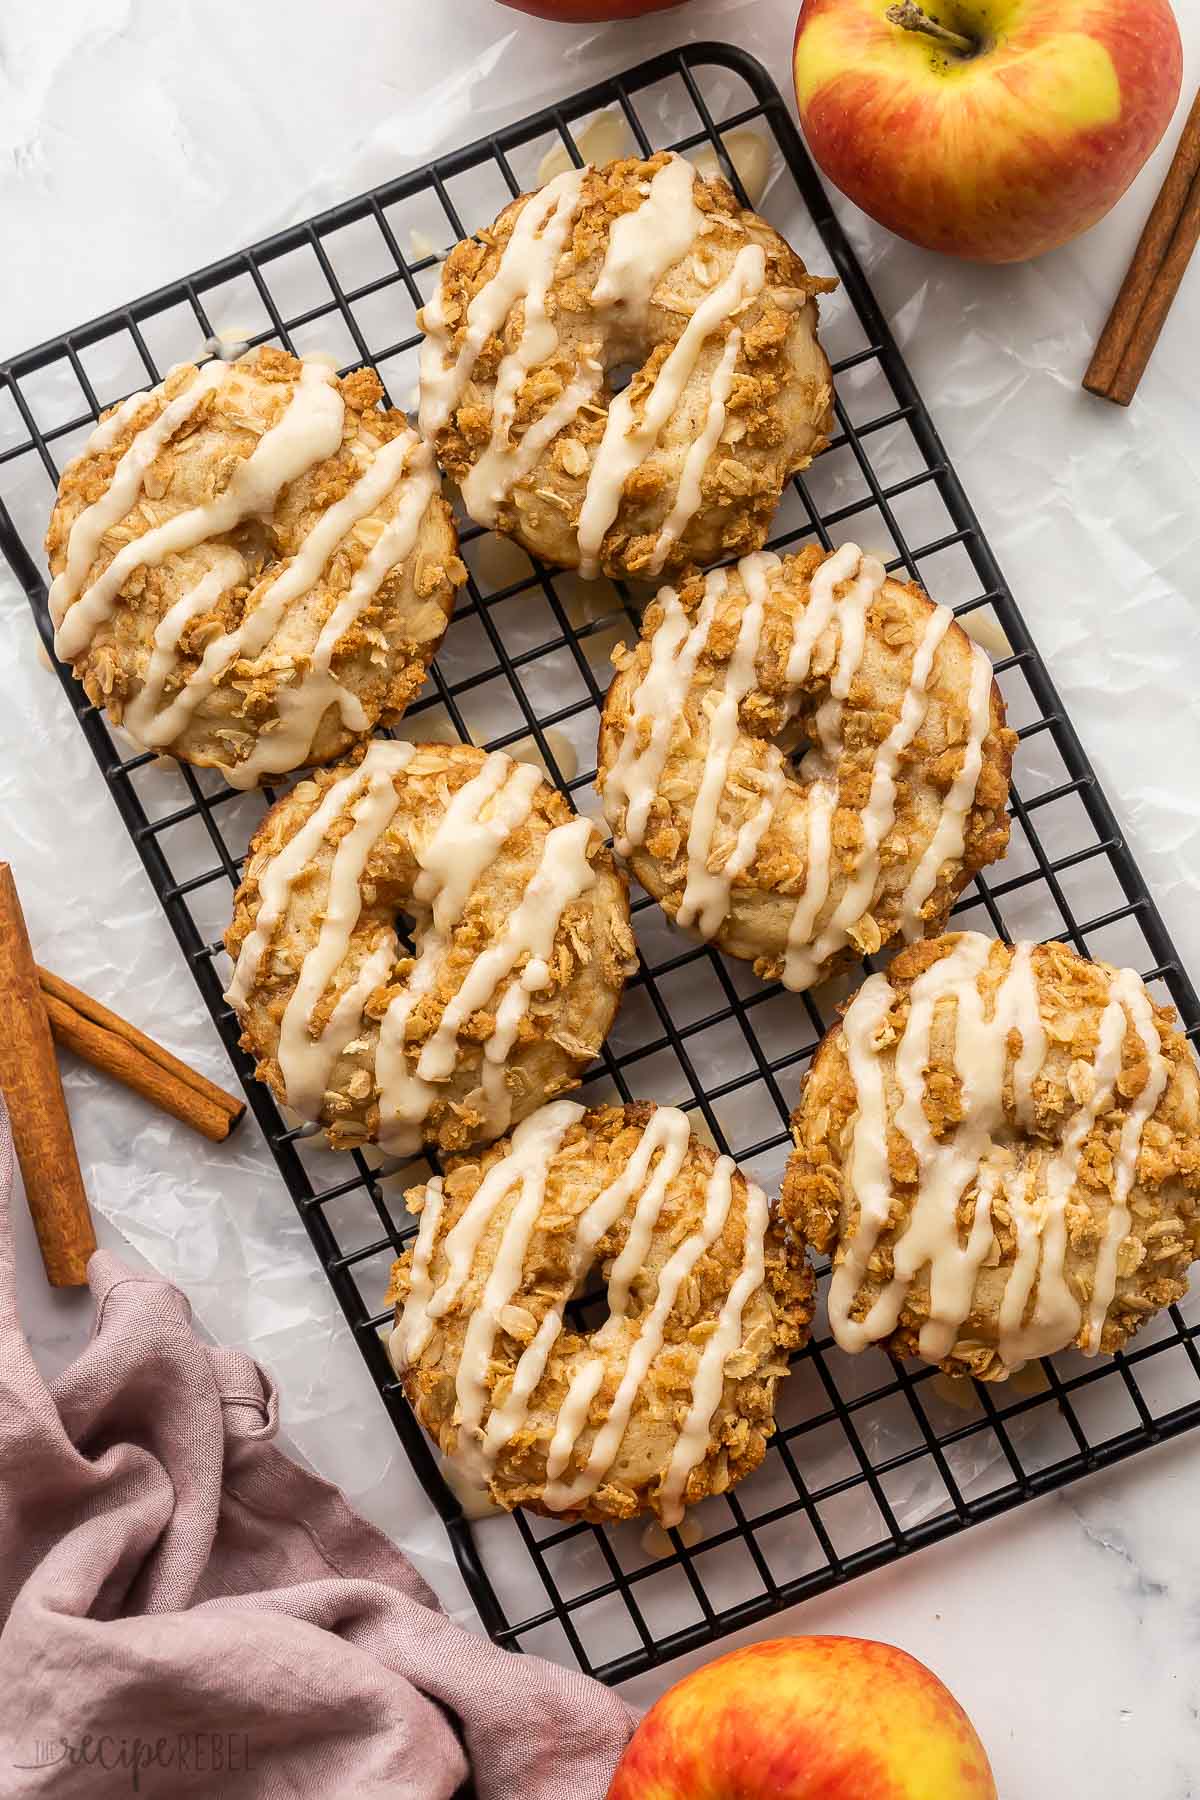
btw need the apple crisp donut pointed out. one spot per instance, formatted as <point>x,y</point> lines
<point>253,564</point>
<point>672,1397</point>
<point>641,265</point>
<point>898,801</point>
<point>521,935</point>
<point>1001,1147</point>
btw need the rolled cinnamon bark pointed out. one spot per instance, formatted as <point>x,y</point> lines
<point>41,1125</point>
<point>1127,338</point>
<point>117,1048</point>
<point>1157,304</point>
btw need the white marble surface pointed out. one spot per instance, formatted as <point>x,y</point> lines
<point>139,141</point>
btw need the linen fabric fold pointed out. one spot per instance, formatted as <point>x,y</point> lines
<point>185,1611</point>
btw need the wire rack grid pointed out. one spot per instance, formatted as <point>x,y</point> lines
<point>871,1459</point>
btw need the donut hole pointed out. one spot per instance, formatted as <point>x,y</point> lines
<point>620,373</point>
<point>256,542</point>
<point>406,930</point>
<point>794,743</point>
<point>587,1307</point>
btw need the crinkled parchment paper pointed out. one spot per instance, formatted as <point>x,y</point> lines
<point>1092,512</point>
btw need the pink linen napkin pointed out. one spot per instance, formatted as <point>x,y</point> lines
<point>184,1611</point>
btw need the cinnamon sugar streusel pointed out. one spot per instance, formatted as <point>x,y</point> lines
<point>253,564</point>
<point>520,948</point>
<point>640,267</point>
<point>1000,1145</point>
<point>804,759</point>
<point>662,1390</point>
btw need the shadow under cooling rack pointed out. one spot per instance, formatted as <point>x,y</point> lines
<point>871,1460</point>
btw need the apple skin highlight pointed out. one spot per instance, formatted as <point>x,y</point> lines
<point>818,1718</point>
<point>999,156</point>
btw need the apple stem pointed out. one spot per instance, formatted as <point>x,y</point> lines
<point>911,18</point>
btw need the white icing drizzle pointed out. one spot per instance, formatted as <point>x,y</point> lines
<point>460,850</point>
<point>142,718</point>
<point>750,836</point>
<point>948,839</point>
<point>1127,988</point>
<point>584,1385</point>
<point>535,1143</point>
<point>869,1176</point>
<point>820,763</point>
<point>688,494</point>
<point>533,1147</point>
<point>305,1061</point>
<point>465,845</point>
<point>642,246</point>
<point>627,442</point>
<point>807,957</point>
<point>646,1179</point>
<point>1057,1315</point>
<point>302,707</point>
<point>709,1380</point>
<point>705,900</point>
<point>820,609</point>
<point>947,1167</point>
<point>503,465</point>
<point>561,1496</point>
<point>563,874</point>
<point>850,611</point>
<point>645,243</point>
<point>125,485</point>
<point>280,874</point>
<point>496,470</point>
<point>540,228</point>
<point>109,430</point>
<point>309,432</point>
<point>1017,1010</point>
<point>842,591</point>
<point>862,578</point>
<point>819,810</point>
<point>414,1328</point>
<point>668,1135</point>
<point>632,782</point>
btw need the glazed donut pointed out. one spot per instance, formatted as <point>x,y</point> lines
<point>643,265</point>
<point>898,801</point>
<point>671,1398</point>
<point>521,937</point>
<point>252,564</point>
<point>1001,1147</point>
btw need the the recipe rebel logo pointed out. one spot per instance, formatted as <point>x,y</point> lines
<point>178,1753</point>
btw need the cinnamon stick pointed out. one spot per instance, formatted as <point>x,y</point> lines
<point>41,1125</point>
<point>111,1044</point>
<point>1163,290</point>
<point>1146,273</point>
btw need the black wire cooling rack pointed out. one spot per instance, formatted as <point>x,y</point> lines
<point>871,1460</point>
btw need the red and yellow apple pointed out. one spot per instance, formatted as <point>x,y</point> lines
<point>818,1718</point>
<point>589,12</point>
<point>1009,130</point>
